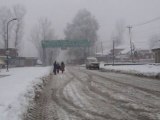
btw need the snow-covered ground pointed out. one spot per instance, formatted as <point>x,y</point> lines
<point>17,88</point>
<point>148,70</point>
<point>79,94</point>
<point>17,85</point>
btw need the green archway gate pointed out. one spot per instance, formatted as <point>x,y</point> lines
<point>63,44</point>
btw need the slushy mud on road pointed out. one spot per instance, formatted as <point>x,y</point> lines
<point>81,94</point>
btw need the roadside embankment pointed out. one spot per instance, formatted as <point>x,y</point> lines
<point>145,70</point>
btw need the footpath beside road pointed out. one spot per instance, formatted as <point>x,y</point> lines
<point>17,89</point>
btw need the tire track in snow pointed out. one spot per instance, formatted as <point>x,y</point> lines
<point>96,99</point>
<point>147,108</point>
<point>72,108</point>
<point>118,113</point>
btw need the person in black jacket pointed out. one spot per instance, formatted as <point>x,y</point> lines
<point>55,67</point>
<point>58,67</point>
<point>62,67</point>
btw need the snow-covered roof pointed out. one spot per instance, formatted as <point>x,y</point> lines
<point>91,58</point>
<point>126,50</point>
<point>39,61</point>
<point>105,52</point>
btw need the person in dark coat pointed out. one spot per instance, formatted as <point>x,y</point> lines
<point>55,67</point>
<point>58,67</point>
<point>62,67</point>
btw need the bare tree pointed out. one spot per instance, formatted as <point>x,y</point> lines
<point>15,32</point>
<point>153,40</point>
<point>119,32</point>
<point>19,13</point>
<point>43,31</point>
<point>5,14</point>
<point>83,26</point>
<point>35,37</point>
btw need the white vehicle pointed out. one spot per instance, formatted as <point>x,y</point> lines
<point>92,63</point>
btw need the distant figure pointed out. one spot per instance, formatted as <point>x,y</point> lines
<point>55,67</point>
<point>58,67</point>
<point>62,66</point>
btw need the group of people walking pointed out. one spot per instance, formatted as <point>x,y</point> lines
<point>57,67</point>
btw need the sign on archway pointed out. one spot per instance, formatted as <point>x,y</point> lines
<point>64,43</point>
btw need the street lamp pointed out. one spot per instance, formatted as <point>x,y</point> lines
<point>129,28</point>
<point>7,50</point>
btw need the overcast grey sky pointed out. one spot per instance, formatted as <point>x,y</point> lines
<point>107,13</point>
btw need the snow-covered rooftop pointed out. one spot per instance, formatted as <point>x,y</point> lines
<point>126,50</point>
<point>105,52</point>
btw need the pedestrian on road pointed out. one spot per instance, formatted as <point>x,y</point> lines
<point>58,67</point>
<point>54,67</point>
<point>62,67</point>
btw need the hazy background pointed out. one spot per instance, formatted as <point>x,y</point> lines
<point>107,13</point>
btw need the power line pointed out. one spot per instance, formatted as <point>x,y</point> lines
<point>147,22</point>
<point>137,25</point>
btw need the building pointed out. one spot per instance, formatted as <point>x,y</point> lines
<point>122,55</point>
<point>102,56</point>
<point>15,60</point>
<point>24,61</point>
<point>156,50</point>
<point>12,52</point>
<point>143,54</point>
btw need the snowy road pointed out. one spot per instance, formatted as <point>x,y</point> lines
<point>81,94</point>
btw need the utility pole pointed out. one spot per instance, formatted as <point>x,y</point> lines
<point>88,51</point>
<point>44,52</point>
<point>113,52</point>
<point>96,51</point>
<point>7,49</point>
<point>102,47</point>
<point>44,56</point>
<point>129,28</point>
